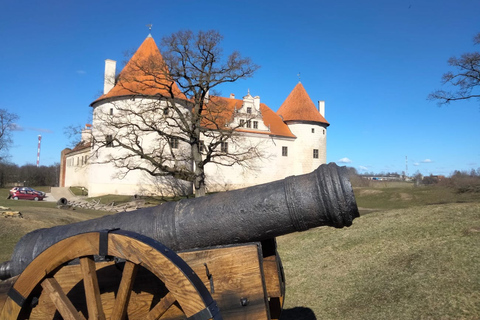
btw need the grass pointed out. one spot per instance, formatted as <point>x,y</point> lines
<point>36,214</point>
<point>413,254</point>
<point>405,195</point>
<point>408,259</point>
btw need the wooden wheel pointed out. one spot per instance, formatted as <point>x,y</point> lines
<point>145,281</point>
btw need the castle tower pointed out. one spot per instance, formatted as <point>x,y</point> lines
<point>142,87</point>
<point>308,124</point>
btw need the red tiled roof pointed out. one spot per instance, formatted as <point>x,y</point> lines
<point>144,74</point>
<point>81,146</point>
<point>299,107</point>
<point>220,110</point>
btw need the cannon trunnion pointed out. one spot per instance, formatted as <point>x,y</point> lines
<point>208,258</point>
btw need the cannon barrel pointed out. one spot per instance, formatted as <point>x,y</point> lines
<point>297,203</point>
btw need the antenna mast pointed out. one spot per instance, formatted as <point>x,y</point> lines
<point>38,150</point>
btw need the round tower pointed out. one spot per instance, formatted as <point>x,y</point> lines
<point>308,124</point>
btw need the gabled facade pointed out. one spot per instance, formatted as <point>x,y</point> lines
<point>292,140</point>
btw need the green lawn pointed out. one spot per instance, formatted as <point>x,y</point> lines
<point>407,259</point>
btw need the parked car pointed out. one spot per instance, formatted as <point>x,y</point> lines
<point>26,193</point>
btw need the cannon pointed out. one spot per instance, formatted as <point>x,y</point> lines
<point>212,257</point>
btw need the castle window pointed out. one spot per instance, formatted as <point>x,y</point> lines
<point>249,109</point>
<point>109,141</point>
<point>201,146</point>
<point>242,122</point>
<point>285,151</point>
<point>323,131</point>
<point>165,111</point>
<point>111,111</point>
<point>315,153</point>
<point>255,124</point>
<point>224,147</point>
<point>313,130</point>
<point>249,124</point>
<point>174,143</point>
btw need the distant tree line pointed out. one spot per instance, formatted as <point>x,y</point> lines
<point>462,181</point>
<point>28,175</point>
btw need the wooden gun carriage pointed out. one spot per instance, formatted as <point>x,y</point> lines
<point>212,257</point>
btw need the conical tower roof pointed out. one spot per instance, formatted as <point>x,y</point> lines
<point>144,74</point>
<point>299,107</point>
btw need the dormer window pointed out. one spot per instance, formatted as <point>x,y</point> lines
<point>249,109</point>
<point>255,124</point>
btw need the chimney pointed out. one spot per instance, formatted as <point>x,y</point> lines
<point>232,96</point>
<point>321,107</point>
<point>87,133</point>
<point>256,103</point>
<point>109,79</point>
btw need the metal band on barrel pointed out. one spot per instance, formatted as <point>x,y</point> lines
<point>290,195</point>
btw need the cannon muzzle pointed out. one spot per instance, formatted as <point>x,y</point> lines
<point>297,203</point>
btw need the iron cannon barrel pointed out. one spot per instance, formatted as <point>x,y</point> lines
<point>321,198</point>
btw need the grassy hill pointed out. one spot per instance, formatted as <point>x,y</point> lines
<point>404,258</point>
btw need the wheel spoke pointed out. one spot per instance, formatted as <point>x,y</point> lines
<point>161,307</point>
<point>92,290</point>
<point>124,290</point>
<point>63,305</point>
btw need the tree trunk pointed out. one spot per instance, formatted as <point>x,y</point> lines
<point>199,170</point>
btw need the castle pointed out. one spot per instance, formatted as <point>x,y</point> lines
<point>291,141</point>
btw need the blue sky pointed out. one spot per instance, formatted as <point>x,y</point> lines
<point>373,62</point>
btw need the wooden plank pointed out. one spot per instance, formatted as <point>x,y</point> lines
<point>5,286</point>
<point>236,273</point>
<point>124,290</point>
<point>161,307</point>
<point>272,276</point>
<point>61,301</point>
<point>92,290</point>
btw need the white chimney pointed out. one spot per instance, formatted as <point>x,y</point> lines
<point>87,133</point>
<point>109,79</point>
<point>321,107</point>
<point>256,103</point>
<point>232,96</point>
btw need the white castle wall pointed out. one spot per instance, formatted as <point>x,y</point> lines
<point>76,169</point>
<point>104,178</point>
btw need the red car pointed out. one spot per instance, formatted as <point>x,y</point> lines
<point>26,194</point>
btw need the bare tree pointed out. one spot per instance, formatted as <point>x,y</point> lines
<point>172,126</point>
<point>466,78</point>
<point>7,123</point>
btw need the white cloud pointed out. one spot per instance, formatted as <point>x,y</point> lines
<point>81,72</point>
<point>16,127</point>
<point>416,164</point>
<point>363,168</point>
<point>427,161</point>
<point>345,160</point>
